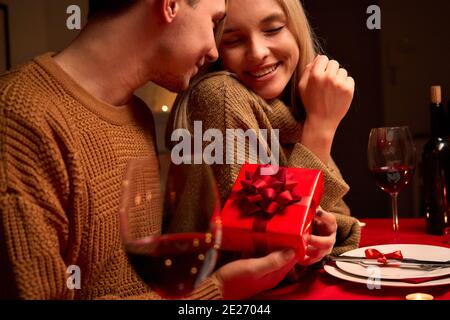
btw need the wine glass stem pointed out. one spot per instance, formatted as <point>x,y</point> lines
<point>394,211</point>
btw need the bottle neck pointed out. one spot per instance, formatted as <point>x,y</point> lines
<point>438,125</point>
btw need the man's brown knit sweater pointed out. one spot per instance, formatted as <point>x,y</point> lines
<point>222,102</point>
<point>63,155</point>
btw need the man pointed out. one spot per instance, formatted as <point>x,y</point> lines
<point>69,125</point>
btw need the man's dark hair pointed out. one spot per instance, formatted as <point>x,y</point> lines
<point>109,7</point>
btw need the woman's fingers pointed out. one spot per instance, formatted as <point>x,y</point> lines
<point>322,240</point>
<point>342,73</point>
<point>324,223</point>
<point>318,248</point>
<point>319,67</point>
<point>332,68</point>
<point>305,76</point>
<point>320,243</point>
<point>314,255</point>
<point>351,83</point>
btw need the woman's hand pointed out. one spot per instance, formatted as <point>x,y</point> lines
<point>322,240</point>
<point>326,91</point>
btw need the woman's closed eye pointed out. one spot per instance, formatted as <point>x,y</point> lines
<point>273,31</point>
<point>235,40</point>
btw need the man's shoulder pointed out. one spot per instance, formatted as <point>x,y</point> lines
<point>24,74</point>
<point>25,90</point>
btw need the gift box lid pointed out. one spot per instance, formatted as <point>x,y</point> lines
<point>309,186</point>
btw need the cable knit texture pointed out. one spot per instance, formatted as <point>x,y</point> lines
<point>63,156</point>
<point>222,102</point>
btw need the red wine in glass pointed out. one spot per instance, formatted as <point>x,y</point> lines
<point>172,265</point>
<point>393,179</point>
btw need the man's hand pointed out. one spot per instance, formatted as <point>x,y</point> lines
<point>245,278</point>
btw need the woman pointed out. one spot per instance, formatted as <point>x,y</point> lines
<point>275,80</point>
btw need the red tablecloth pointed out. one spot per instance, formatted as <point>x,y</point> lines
<point>319,285</point>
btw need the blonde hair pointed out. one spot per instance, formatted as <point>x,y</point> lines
<point>309,47</point>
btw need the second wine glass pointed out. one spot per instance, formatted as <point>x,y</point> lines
<point>173,252</point>
<point>392,160</point>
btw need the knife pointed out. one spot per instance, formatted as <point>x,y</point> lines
<point>405,260</point>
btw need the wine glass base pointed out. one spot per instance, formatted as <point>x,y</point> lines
<point>397,237</point>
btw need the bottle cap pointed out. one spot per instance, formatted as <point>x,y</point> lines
<point>436,96</point>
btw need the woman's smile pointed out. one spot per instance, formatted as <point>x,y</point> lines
<point>259,48</point>
<point>264,72</point>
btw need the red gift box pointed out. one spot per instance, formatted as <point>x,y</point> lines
<point>265,213</point>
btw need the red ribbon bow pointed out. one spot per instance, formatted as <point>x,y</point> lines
<point>383,258</point>
<point>267,194</point>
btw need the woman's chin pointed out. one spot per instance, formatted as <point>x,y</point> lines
<point>267,90</point>
<point>269,94</point>
<point>271,89</point>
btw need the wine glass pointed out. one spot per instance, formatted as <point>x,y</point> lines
<point>392,161</point>
<point>172,251</point>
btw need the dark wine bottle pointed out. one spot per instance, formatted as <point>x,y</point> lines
<point>448,118</point>
<point>436,169</point>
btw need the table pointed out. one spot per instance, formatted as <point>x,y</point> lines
<point>319,285</point>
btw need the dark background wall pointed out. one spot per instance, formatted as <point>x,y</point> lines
<point>343,34</point>
<point>393,68</point>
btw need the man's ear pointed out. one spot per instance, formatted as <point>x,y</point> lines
<point>170,9</point>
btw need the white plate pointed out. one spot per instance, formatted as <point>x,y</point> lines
<point>372,283</point>
<point>415,251</point>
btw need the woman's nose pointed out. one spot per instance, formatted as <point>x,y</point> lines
<point>257,50</point>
